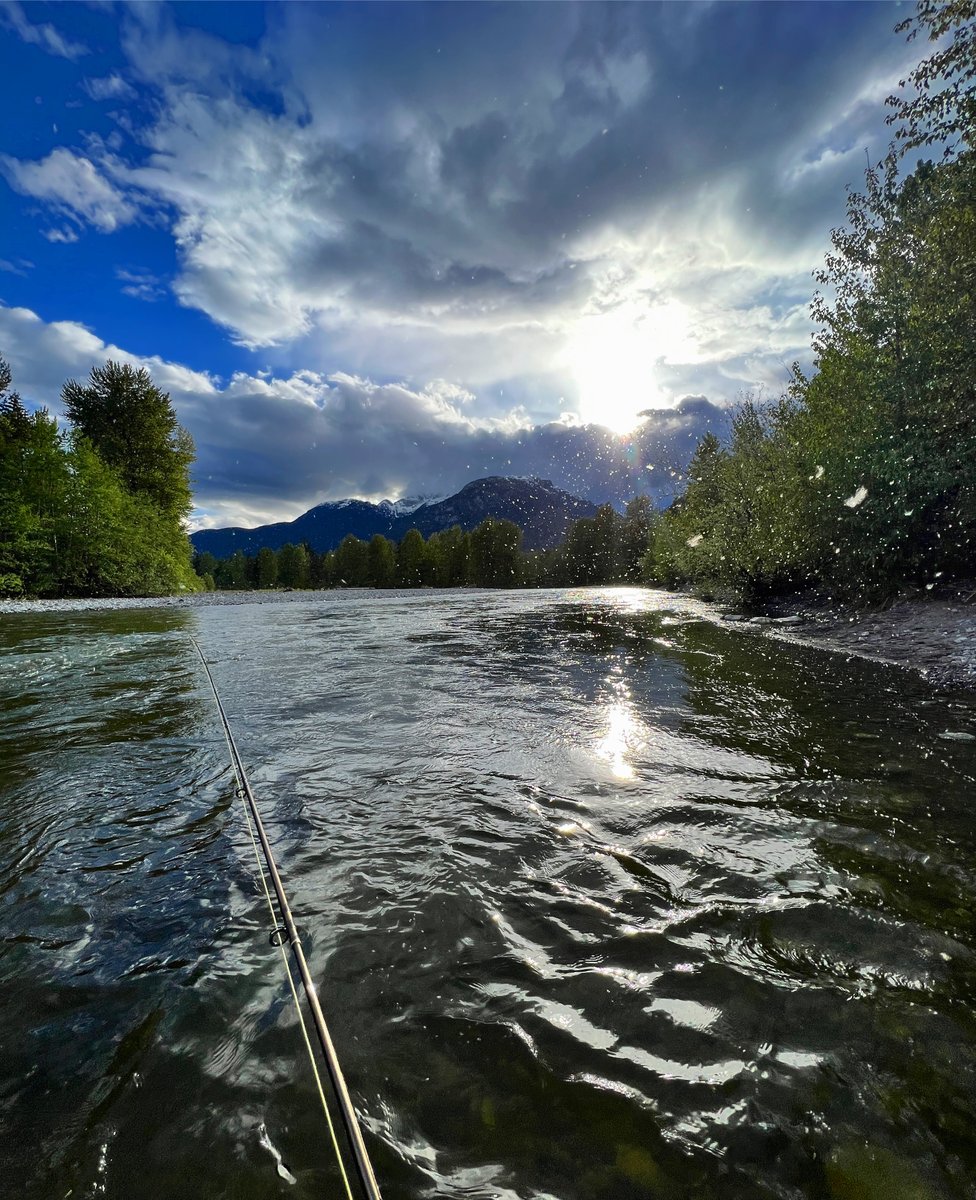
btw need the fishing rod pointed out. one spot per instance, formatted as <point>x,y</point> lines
<point>343,1103</point>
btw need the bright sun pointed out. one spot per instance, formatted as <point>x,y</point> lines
<point>613,358</point>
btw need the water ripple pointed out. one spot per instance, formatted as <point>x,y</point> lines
<point>603,900</point>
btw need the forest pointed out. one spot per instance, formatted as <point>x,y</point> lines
<point>98,508</point>
<point>606,548</point>
<point>857,483</point>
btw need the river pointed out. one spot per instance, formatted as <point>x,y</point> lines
<point>603,900</point>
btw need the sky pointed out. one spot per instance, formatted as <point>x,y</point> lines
<point>380,250</point>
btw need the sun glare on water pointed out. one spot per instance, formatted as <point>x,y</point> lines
<point>615,359</point>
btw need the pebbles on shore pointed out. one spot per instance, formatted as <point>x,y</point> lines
<point>937,638</point>
<point>188,600</point>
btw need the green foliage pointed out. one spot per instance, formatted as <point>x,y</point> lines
<point>293,567</point>
<point>33,472</point>
<point>451,554</point>
<point>69,522</point>
<point>266,568</point>
<point>352,563</point>
<point>133,427</point>
<point>863,478</point>
<point>231,573</point>
<point>414,566</point>
<point>328,571</point>
<point>495,558</point>
<point>634,538</point>
<point>606,548</point>
<point>111,542</point>
<point>739,528</point>
<point>490,556</point>
<point>942,105</point>
<point>204,564</point>
<point>381,562</point>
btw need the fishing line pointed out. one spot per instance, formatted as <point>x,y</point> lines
<point>287,927</point>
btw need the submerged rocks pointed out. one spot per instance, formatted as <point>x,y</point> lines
<point>936,638</point>
<point>762,619</point>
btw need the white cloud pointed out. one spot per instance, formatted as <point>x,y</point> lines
<point>140,285</point>
<point>275,245</point>
<point>411,225</point>
<point>72,184</point>
<point>110,87</point>
<point>606,222</point>
<point>43,354</point>
<point>269,448</point>
<point>45,36</point>
<point>65,235</point>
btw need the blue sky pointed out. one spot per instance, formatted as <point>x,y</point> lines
<point>380,250</point>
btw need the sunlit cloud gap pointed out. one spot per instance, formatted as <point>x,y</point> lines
<point>624,218</point>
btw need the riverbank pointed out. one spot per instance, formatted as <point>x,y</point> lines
<point>189,600</point>
<point>935,637</point>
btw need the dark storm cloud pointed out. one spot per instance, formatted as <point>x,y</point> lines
<point>558,209</point>
<point>273,447</point>
<point>350,444</point>
<point>448,159</point>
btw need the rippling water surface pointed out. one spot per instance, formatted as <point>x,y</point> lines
<point>604,900</point>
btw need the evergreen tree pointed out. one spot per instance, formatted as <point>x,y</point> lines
<point>316,573</point>
<point>293,568</point>
<point>412,562</point>
<point>634,538</point>
<point>328,570</point>
<point>204,563</point>
<point>352,563</point>
<point>33,489</point>
<point>133,427</point>
<point>580,554</point>
<point>381,562</point>
<point>19,527</point>
<point>495,557</point>
<point>231,573</point>
<point>607,530</point>
<point>449,552</point>
<point>266,568</point>
<point>14,418</point>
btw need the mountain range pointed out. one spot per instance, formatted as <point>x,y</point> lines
<point>543,511</point>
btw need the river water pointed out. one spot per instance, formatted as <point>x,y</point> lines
<point>603,900</point>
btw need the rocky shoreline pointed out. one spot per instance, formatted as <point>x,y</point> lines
<point>934,636</point>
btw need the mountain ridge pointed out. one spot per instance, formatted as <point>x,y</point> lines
<point>543,511</point>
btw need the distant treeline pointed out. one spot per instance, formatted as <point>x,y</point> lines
<point>99,508</point>
<point>606,548</point>
<point>862,478</point>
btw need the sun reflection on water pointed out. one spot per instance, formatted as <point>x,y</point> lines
<point>623,730</point>
<point>617,743</point>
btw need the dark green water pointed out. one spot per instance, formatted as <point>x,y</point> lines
<point>603,900</point>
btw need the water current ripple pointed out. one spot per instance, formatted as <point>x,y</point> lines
<point>604,901</point>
